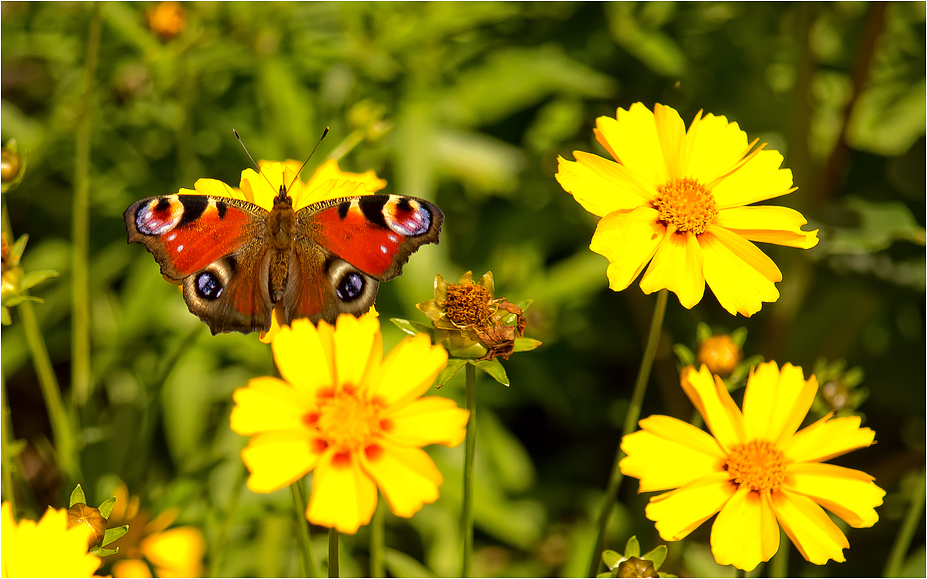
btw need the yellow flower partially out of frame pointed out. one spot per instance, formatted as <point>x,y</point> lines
<point>680,201</point>
<point>47,548</point>
<point>756,472</point>
<point>355,420</point>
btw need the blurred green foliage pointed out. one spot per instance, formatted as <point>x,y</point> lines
<point>469,105</point>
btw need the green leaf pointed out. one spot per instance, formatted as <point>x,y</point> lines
<point>684,354</point>
<point>493,368</point>
<point>77,496</point>
<point>5,318</point>
<point>34,278</point>
<point>526,344</point>
<point>413,328</point>
<point>880,224</point>
<point>101,552</point>
<point>739,336</point>
<point>106,507</point>
<point>611,559</point>
<point>632,548</point>
<point>453,364</point>
<point>401,565</point>
<point>114,533</point>
<point>657,556</point>
<point>16,300</point>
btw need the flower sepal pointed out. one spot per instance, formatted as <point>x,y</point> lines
<point>79,513</point>
<point>722,353</point>
<point>16,283</point>
<point>632,564</point>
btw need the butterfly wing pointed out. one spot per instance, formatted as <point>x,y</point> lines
<point>217,248</point>
<point>345,247</point>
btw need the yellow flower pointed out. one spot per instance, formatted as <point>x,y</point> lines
<point>679,200</point>
<point>167,19</point>
<point>720,353</point>
<point>149,543</point>
<point>356,421</point>
<point>47,548</point>
<point>755,470</point>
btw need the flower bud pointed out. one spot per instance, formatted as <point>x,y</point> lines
<point>81,514</point>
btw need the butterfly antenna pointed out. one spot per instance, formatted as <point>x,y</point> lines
<point>258,167</point>
<point>325,132</point>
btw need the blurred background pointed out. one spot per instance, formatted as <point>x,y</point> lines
<point>468,105</point>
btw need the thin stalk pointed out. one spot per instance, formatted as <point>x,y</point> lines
<point>466,518</point>
<point>906,533</point>
<point>779,565</point>
<point>6,431</point>
<point>378,541</point>
<point>80,314</point>
<point>630,423</point>
<point>334,556</point>
<point>345,146</point>
<point>305,540</point>
<point>222,537</point>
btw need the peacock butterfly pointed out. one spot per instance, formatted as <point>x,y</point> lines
<point>240,264</point>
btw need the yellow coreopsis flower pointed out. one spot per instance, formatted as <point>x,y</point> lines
<point>47,548</point>
<point>756,471</point>
<point>680,201</point>
<point>356,421</point>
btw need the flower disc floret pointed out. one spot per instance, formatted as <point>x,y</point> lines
<point>687,205</point>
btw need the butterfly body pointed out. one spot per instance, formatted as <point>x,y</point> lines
<point>239,263</point>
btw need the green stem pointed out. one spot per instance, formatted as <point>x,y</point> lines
<point>630,423</point>
<point>345,146</point>
<point>222,537</point>
<point>65,442</point>
<point>305,540</point>
<point>6,431</point>
<point>80,316</point>
<point>779,565</point>
<point>466,518</point>
<point>908,527</point>
<point>377,541</point>
<point>334,559</point>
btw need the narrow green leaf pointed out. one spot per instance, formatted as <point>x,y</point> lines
<point>413,328</point>
<point>611,559</point>
<point>526,344</point>
<point>101,552</point>
<point>453,364</point>
<point>495,369</point>
<point>106,507</point>
<point>113,533</point>
<point>684,354</point>
<point>34,278</point>
<point>632,548</point>
<point>77,496</point>
<point>16,300</point>
<point>657,556</point>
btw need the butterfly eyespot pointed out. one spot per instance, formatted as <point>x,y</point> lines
<point>350,287</point>
<point>208,286</point>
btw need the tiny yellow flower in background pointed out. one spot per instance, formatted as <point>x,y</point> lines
<point>47,548</point>
<point>756,472</point>
<point>167,19</point>
<point>355,420</point>
<point>680,201</point>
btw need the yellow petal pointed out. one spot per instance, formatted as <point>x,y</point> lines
<point>629,241</point>
<point>358,350</point>
<point>826,439</point>
<point>849,494</point>
<point>776,402</point>
<point>715,146</point>
<point>176,552</point>
<point>739,287</point>
<point>409,370</point>
<point>747,252</point>
<point>809,528</point>
<point>695,454</point>
<point>303,357</point>
<point>343,494</point>
<point>268,404</point>
<point>46,548</point>
<point>677,266</point>
<point>407,477</point>
<point>745,532</point>
<point>632,138</point>
<point>769,224</point>
<point>758,179</point>
<point>678,513</point>
<point>256,188</point>
<point>130,568</point>
<point>429,420</point>
<point>212,187</point>
<point>279,458</point>
<point>328,171</point>
<point>602,186</point>
<point>711,398</point>
<point>671,133</point>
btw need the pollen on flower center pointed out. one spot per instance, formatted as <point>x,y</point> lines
<point>347,421</point>
<point>686,204</point>
<point>467,304</point>
<point>757,464</point>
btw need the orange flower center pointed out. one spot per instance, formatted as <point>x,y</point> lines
<point>687,205</point>
<point>757,464</point>
<point>346,420</point>
<point>467,304</point>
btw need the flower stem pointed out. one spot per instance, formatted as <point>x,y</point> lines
<point>908,527</point>
<point>377,542</point>
<point>779,565</point>
<point>305,540</point>
<point>80,315</point>
<point>6,431</point>
<point>630,422</point>
<point>334,559</point>
<point>345,146</point>
<point>466,518</point>
<point>222,537</point>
